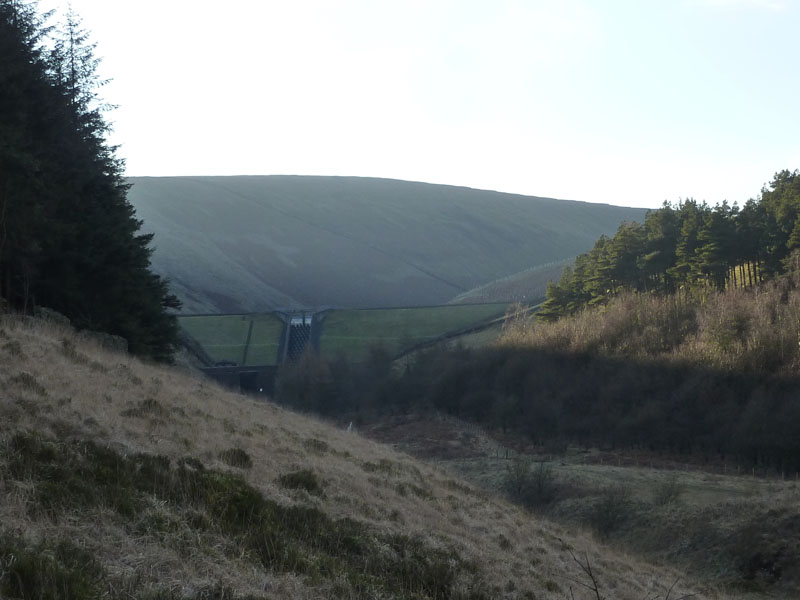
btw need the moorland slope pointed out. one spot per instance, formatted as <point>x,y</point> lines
<point>121,479</point>
<point>242,244</point>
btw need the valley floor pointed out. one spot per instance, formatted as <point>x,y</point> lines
<point>737,530</point>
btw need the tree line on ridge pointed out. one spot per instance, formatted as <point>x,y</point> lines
<point>684,247</point>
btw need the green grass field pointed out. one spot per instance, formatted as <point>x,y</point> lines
<point>350,332</point>
<point>224,337</point>
<point>353,332</point>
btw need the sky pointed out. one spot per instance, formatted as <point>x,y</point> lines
<point>628,102</point>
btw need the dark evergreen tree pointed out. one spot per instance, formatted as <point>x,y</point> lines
<point>557,298</point>
<point>69,239</point>
<point>625,248</point>
<point>686,269</point>
<point>599,275</point>
<point>781,203</point>
<point>751,239</point>
<point>716,243</point>
<point>661,230</point>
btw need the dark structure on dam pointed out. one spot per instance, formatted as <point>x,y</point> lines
<point>249,363</point>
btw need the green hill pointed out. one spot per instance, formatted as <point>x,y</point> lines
<point>243,244</point>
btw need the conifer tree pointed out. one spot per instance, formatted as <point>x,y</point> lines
<point>661,231</point>
<point>599,274</point>
<point>685,270</point>
<point>686,246</point>
<point>557,298</point>
<point>716,243</point>
<point>625,248</point>
<point>69,239</point>
<point>751,239</point>
<point>781,203</point>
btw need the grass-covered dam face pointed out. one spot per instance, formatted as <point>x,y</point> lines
<point>245,350</point>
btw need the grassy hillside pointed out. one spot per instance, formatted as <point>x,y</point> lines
<point>125,480</point>
<point>526,286</point>
<point>246,244</point>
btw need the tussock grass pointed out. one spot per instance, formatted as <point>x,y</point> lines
<point>132,464</point>
<point>304,479</point>
<point>236,457</point>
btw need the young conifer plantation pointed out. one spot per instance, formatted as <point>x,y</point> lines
<point>69,239</point>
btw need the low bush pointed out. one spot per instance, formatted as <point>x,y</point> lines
<point>384,465</point>
<point>304,479</point>
<point>668,491</point>
<point>236,457</point>
<point>532,486</point>
<point>611,510</point>
<point>48,572</point>
<point>316,446</point>
<point>149,407</point>
<point>27,382</point>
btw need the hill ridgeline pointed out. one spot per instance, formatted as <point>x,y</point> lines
<point>241,244</point>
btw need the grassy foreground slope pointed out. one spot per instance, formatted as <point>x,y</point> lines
<point>125,480</point>
<point>247,244</point>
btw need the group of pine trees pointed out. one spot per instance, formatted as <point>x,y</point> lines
<point>686,247</point>
<point>69,238</point>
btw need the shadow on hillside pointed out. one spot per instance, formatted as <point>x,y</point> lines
<point>552,398</point>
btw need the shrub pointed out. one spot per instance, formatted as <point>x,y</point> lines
<point>68,349</point>
<point>43,572</point>
<point>316,446</point>
<point>14,348</point>
<point>236,457</point>
<point>149,407</point>
<point>611,510</point>
<point>668,491</point>
<point>305,479</point>
<point>28,382</point>
<point>517,477</point>
<point>533,487</point>
<point>384,465</point>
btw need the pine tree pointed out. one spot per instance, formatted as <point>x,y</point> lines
<point>752,238</point>
<point>716,243</point>
<point>69,238</point>
<point>685,270</point>
<point>599,274</point>
<point>658,256</point>
<point>624,251</point>
<point>557,298</point>
<point>781,203</point>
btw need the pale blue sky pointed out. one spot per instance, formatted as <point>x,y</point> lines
<point>630,102</point>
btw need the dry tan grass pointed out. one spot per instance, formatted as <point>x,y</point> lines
<point>739,329</point>
<point>73,388</point>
